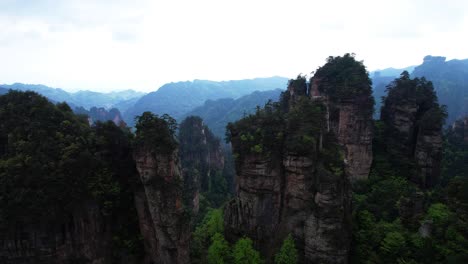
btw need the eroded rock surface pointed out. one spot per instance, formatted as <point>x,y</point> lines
<point>162,181</point>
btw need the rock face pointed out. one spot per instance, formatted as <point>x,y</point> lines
<point>296,182</point>
<point>300,183</point>
<point>413,123</point>
<point>169,231</point>
<point>354,130</point>
<point>343,85</point>
<point>459,130</point>
<point>291,194</point>
<point>200,153</point>
<point>84,238</point>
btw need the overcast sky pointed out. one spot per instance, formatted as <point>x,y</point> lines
<point>107,45</point>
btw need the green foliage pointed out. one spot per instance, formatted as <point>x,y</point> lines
<point>52,162</point>
<point>258,133</point>
<point>393,244</point>
<point>244,253</point>
<point>389,211</point>
<point>298,85</point>
<point>219,251</point>
<point>287,253</point>
<point>305,123</point>
<point>45,154</point>
<point>440,214</point>
<point>156,133</point>
<point>199,149</point>
<point>203,235</point>
<point>343,78</point>
<point>450,81</point>
<point>418,92</point>
<point>299,128</point>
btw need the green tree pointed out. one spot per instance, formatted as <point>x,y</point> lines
<point>287,253</point>
<point>203,235</point>
<point>439,213</point>
<point>218,252</point>
<point>393,244</point>
<point>156,133</point>
<point>244,253</point>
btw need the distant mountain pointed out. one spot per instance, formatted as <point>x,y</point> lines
<point>379,85</point>
<point>177,99</point>
<point>89,99</point>
<point>218,113</point>
<point>123,106</point>
<point>3,90</point>
<point>96,114</point>
<point>450,79</point>
<point>86,99</point>
<point>391,72</point>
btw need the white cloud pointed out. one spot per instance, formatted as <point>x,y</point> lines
<point>104,45</point>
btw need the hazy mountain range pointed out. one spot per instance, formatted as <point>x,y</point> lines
<point>3,90</point>
<point>450,79</point>
<point>86,99</point>
<point>217,113</point>
<point>221,102</point>
<point>177,99</point>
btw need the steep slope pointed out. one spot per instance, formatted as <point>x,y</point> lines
<point>218,113</point>
<point>177,99</point>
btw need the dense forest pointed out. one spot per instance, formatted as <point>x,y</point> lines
<point>310,178</point>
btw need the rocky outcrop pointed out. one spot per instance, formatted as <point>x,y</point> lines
<point>169,231</point>
<point>459,130</point>
<point>413,128</point>
<point>201,153</point>
<point>293,184</point>
<point>353,128</point>
<point>85,237</point>
<point>343,85</point>
<point>291,194</point>
<point>324,227</point>
<point>294,177</point>
<point>428,156</point>
<point>150,242</point>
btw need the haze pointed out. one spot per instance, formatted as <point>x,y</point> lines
<point>115,45</point>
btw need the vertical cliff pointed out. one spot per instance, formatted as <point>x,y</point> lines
<point>84,237</point>
<point>163,185</point>
<point>168,201</point>
<point>200,151</point>
<point>413,128</point>
<point>290,179</point>
<point>344,86</point>
<point>459,130</point>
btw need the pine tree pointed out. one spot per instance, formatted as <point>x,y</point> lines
<point>218,252</point>
<point>244,253</point>
<point>287,253</point>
